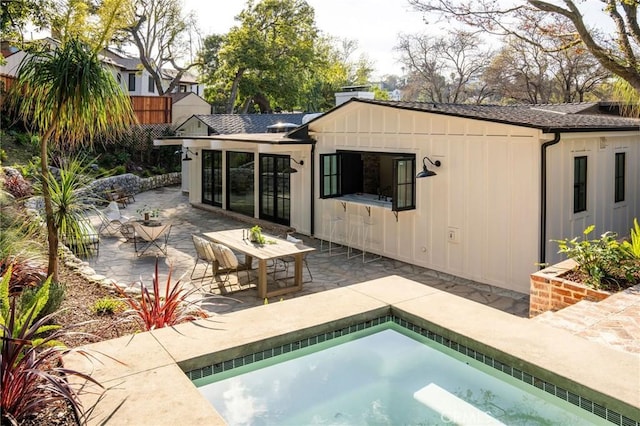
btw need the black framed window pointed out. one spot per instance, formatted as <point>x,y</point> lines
<point>132,82</point>
<point>330,176</point>
<point>275,195</point>
<point>240,182</point>
<point>152,85</point>
<point>579,184</point>
<point>404,184</point>
<point>619,179</point>
<point>212,177</point>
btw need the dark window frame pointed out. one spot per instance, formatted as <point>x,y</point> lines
<point>132,82</point>
<point>214,157</point>
<point>619,177</point>
<point>333,173</point>
<point>579,184</point>
<point>151,85</point>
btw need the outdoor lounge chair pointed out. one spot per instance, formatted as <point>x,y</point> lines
<point>204,253</point>
<point>85,241</point>
<point>147,237</point>
<point>111,218</point>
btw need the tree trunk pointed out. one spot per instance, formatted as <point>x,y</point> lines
<point>52,231</point>
<point>234,90</point>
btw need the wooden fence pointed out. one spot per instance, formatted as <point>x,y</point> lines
<point>148,109</point>
<point>152,109</point>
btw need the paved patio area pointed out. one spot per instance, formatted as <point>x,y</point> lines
<point>117,260</point>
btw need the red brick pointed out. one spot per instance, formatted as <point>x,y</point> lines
<point>540,285</point>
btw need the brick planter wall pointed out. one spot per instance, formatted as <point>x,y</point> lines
<point>548,292</point>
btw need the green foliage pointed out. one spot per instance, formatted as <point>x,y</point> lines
<point>602,260</point>
<point>107,306</point>
<point>30,353</point>
<point>70,204</point>
<point>3,156</point>
<point>55,298</point>
<point>255,234</point>
<point>633,247</point>
<point>157,310</point>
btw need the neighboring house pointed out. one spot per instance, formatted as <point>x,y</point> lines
<point>137,82</point>
<point>510,180</point>
<point>186,104</point>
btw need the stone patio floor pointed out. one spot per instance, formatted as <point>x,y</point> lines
<point>117,261</point>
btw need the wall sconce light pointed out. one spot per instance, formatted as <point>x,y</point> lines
<point>186,152</point>
<point>290,169</point>
<point>426,172</point>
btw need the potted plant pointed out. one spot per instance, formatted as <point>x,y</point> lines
<point>147,213</point>
<point>255,235</point>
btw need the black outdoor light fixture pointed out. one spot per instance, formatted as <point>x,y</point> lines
<point>426,172</point>
<point>186,152</point>
<point>290,169</point>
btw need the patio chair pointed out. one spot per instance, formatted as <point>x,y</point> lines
<point>204,253</point>
<point>228,261</point>
<point>147,237</point>
<point>111,219</point>
<point>288,261</point>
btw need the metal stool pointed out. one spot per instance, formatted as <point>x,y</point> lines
<point>356,235</point>
<point>334,223</point>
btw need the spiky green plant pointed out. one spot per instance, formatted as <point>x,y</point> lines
<point>633,247</point>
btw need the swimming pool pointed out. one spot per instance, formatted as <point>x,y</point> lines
<point>381,372</point>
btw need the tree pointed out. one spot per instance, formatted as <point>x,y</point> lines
<point>164,35</point>
<point>67,96</point>
<point>269,55</point>
<point>442,69</point>
<point>16,15</point>
<point>616,52</point>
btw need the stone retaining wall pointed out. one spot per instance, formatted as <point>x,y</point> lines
<point>549,292</point>
<point>130,183</point>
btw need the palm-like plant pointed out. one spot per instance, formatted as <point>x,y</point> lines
<point>67,96</point>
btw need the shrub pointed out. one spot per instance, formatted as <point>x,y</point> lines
<point>55,299</point>
<point>108,306</point>
<point>156,310</point>
<point>30,360</point>
<point>17,186</point>
<point>633,247</point>
<point>603,261</point>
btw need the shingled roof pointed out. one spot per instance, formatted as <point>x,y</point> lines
<point>575,117</point>
<point>225,124</point>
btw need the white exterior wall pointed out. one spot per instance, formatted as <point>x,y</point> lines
<point>299,183</point>
<point>602,211</point>
<point>193,127</point>
<point>188,106</point>
<point>13,63</point>
<point>486,191</point>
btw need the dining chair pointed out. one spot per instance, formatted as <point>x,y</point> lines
<point>204,253</point>
<point>288,261</point>
<point>228,261</point>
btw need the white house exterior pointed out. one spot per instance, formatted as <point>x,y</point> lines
<point>510,179</point>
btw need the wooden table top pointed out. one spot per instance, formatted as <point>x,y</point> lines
<point>274,247</point>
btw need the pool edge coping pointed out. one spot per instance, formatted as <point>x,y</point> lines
<point>169,349</point>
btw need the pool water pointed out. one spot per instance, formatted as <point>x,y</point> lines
<point>385,375</point>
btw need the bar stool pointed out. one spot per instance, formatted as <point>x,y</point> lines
<point>367,233</point>
<point>356,235</point>
<point>335,225</point>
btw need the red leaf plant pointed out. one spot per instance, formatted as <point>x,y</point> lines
<point>32,374</point>
<point>158,311</point>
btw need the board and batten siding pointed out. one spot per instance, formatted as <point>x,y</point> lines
<point>602,210</point>
<point>477,219</point>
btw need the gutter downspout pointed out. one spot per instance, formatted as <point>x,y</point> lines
<point>543,199</point>
<point>313,180</point>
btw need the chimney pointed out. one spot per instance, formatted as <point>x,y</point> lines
<point>348,92</point>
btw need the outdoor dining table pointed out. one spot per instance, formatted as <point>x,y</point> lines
<point>274,247</point>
